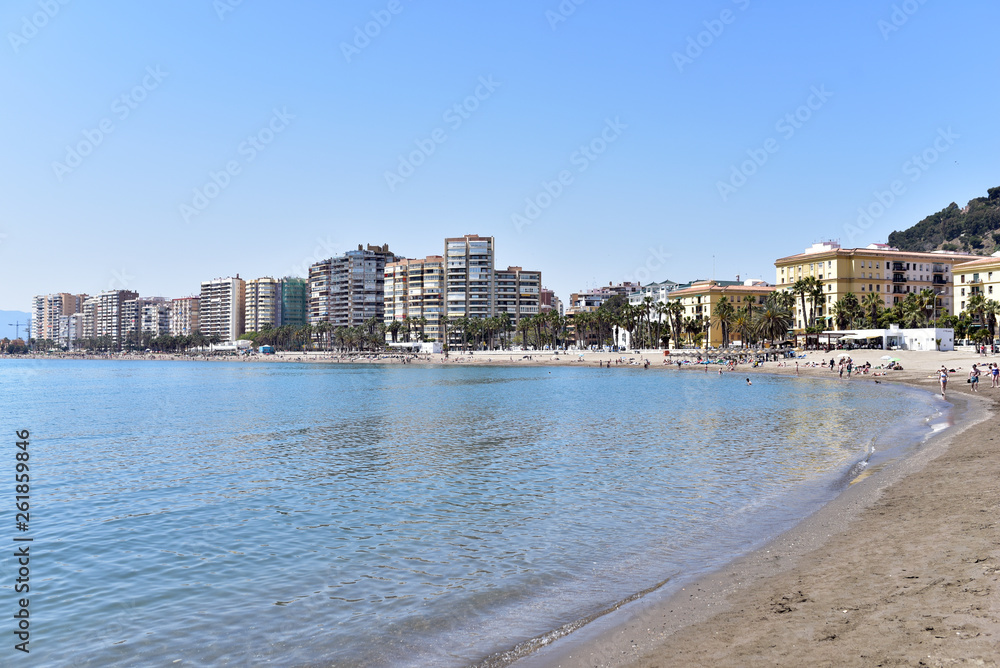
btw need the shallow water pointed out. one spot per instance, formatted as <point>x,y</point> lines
<point>365,515</point>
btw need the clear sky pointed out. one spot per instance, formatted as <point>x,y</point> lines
<point>114,113</point>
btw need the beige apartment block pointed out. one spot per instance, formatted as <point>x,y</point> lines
<point>263,304</point>
<point>185,316</point>
<point>701,297</point>
<point>890,273</point>
<point>414,289</point>
<point>48,311</point>
<point>518,293</point>
<point>980,276</point>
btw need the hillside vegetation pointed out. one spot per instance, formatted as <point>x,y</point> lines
<point>972,229</point>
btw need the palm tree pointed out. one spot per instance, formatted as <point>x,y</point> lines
<point>742,322</point>
<point>802,287</point>
<point>852,307</point>
<point>841,313</point>
<point>991,310</point>
<point>815,297</point>
<point>723,315</point>
<point>676,314</point>
<point>774,319</point>
<point>872,306</point>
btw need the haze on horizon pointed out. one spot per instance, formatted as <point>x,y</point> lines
<point>655,141</point>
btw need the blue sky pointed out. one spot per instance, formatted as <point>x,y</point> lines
<point>666,98</point>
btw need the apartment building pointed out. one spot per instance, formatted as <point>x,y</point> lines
<point>294,301</point>
<point>980,276</point>
<point>700,298</point>
<point>349,289</point>
<point>518,293</point>
<point>263,304</point>
<point>470,289</point>
<point>548,301</point>
<point>148,315</point>
<point>888,272</point>
<point>155,317</point>
<point>656,291</point>
<point>222,308</point>
<point>415,289</point>
<point>589,301</point>
<point>89,311</point>
<point>47,311</point>
<point>185,315</point>
<point>110,321</point>
<point>70,330</point>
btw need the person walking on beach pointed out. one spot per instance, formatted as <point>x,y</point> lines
<point>995,375</point>
<point>974,378</point>
<point>943,375</point>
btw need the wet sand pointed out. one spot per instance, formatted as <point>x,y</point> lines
<point>902,569</point>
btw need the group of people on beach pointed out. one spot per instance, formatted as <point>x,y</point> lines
<point>992,369</point>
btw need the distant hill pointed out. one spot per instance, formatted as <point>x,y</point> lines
<point>974,228</point>
<point>7,331</point>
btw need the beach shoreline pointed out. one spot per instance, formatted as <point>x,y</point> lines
<point>901,568</point>
<point>884,574</point>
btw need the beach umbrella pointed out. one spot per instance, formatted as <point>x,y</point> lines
<point>843,355</point>
<point>886,357</point>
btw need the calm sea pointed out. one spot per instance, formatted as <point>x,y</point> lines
<point>238,514</point>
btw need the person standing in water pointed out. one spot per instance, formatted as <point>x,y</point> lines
<point>944,380</point>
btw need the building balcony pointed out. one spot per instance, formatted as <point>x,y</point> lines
<point>898,278</point>
<point>939,280</point>
<point>898,266</point>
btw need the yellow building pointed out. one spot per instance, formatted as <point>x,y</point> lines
<point>892,274</point>
<point>700,298</point>
<point>980,276</point>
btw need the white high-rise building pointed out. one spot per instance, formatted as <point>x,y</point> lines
<point>223,308</point>
<point>350,289</point>
<point>470,289</point>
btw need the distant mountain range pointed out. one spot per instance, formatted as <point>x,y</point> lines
<point>974,228</point>
<point>7,331</point>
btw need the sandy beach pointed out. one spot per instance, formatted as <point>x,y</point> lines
<point>900,570</point>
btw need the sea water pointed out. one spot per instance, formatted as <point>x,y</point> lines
<point>325,514</point>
